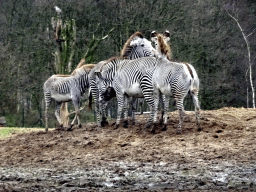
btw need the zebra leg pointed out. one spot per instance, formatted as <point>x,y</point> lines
<point>155,109</point>
<point>120,102</point>
<point>179,104</point>
<point>162,100</point>
<point>46,118</point>
<point>141,101</point>
<point>134,106</point>
<point>46,113</point>
<point>57,113</point>
<point>47,104</point>
<point>165,111</point>
<point>96,103</point>
<point>147,89</point>
<point>125,108</point>
<point>97,112</point>
<point>104,114</point>
<point>156,102</point>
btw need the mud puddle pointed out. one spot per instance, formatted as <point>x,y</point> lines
<point>221,156</point>
<point>136,176</point>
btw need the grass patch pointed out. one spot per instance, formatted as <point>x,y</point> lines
<point>10,131</point>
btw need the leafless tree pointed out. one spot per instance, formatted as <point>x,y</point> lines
<point>231,10</point>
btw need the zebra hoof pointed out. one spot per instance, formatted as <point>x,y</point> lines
<point>125,124</point>
<point>113,124</point>
<point>148,125</point>
<point>69,129</point>
<point>153,129</point>
<point>178,132</point>
<point>80,125</point>
<point>116,126</point>
<point>59,128</point>
<point>103,123</point>
<point>164,128</point>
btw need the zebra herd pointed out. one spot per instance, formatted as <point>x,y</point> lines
<point>142,71</point>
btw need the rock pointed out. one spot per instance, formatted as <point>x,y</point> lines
<point>2,122</point>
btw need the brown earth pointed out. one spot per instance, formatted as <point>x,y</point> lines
<point>133,158</point>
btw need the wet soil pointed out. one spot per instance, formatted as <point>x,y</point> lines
<point>219,156</point>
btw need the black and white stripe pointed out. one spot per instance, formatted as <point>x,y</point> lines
<point>127,83</point>
<point>138,47</point>
<point>64,88</point>
<point>170,79</point>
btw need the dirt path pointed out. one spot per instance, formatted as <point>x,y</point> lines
<point>221,156</point>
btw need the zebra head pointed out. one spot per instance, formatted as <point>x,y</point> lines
<point>108,94</point>
<point>137,46</point>
<point>105,74</point>
<point>161,44</point>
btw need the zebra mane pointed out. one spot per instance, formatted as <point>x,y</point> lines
<point>83,68</point>
<point>164,46</point>
<point>61,75</point>
<point>127,48</point>
<point>82,65</point>
<point>112,59</point>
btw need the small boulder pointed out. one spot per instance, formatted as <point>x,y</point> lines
<point>2,122</point>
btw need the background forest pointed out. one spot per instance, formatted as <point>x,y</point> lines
<point>202,33</point>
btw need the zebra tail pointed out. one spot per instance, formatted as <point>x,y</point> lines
<point>90,100</point>
<point>64,114</point>
<point>193,86</point>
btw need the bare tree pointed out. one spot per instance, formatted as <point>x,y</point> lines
<point>230,7</point>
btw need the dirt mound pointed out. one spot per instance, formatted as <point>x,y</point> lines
<point>227,134</point>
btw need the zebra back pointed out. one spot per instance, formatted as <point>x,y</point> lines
<point>63,84</point>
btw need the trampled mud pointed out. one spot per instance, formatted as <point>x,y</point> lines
<point>219,157</point>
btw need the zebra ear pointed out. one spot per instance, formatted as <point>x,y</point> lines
<point>166,35</point>
<point>154,36</point>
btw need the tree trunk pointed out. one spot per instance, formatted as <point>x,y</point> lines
<point>249,58</point>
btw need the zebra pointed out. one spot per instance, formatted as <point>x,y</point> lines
<point>64,88</point>
<point>126,84</point>
<point>170,79</point>
<point>135,47</point>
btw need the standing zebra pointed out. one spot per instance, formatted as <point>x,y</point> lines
<point>64,88</point>
<point>135,47</point>
<point>170,79</point>
<point>127,84</point>
<point>127,77</point>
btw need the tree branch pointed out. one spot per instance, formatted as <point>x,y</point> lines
<point>251,32</point>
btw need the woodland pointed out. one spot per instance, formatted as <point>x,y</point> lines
<point>218,37</point>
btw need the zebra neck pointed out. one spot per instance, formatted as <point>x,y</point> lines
<point>83,83</point>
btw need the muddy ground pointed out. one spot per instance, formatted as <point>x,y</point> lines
<point>222,156</point>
